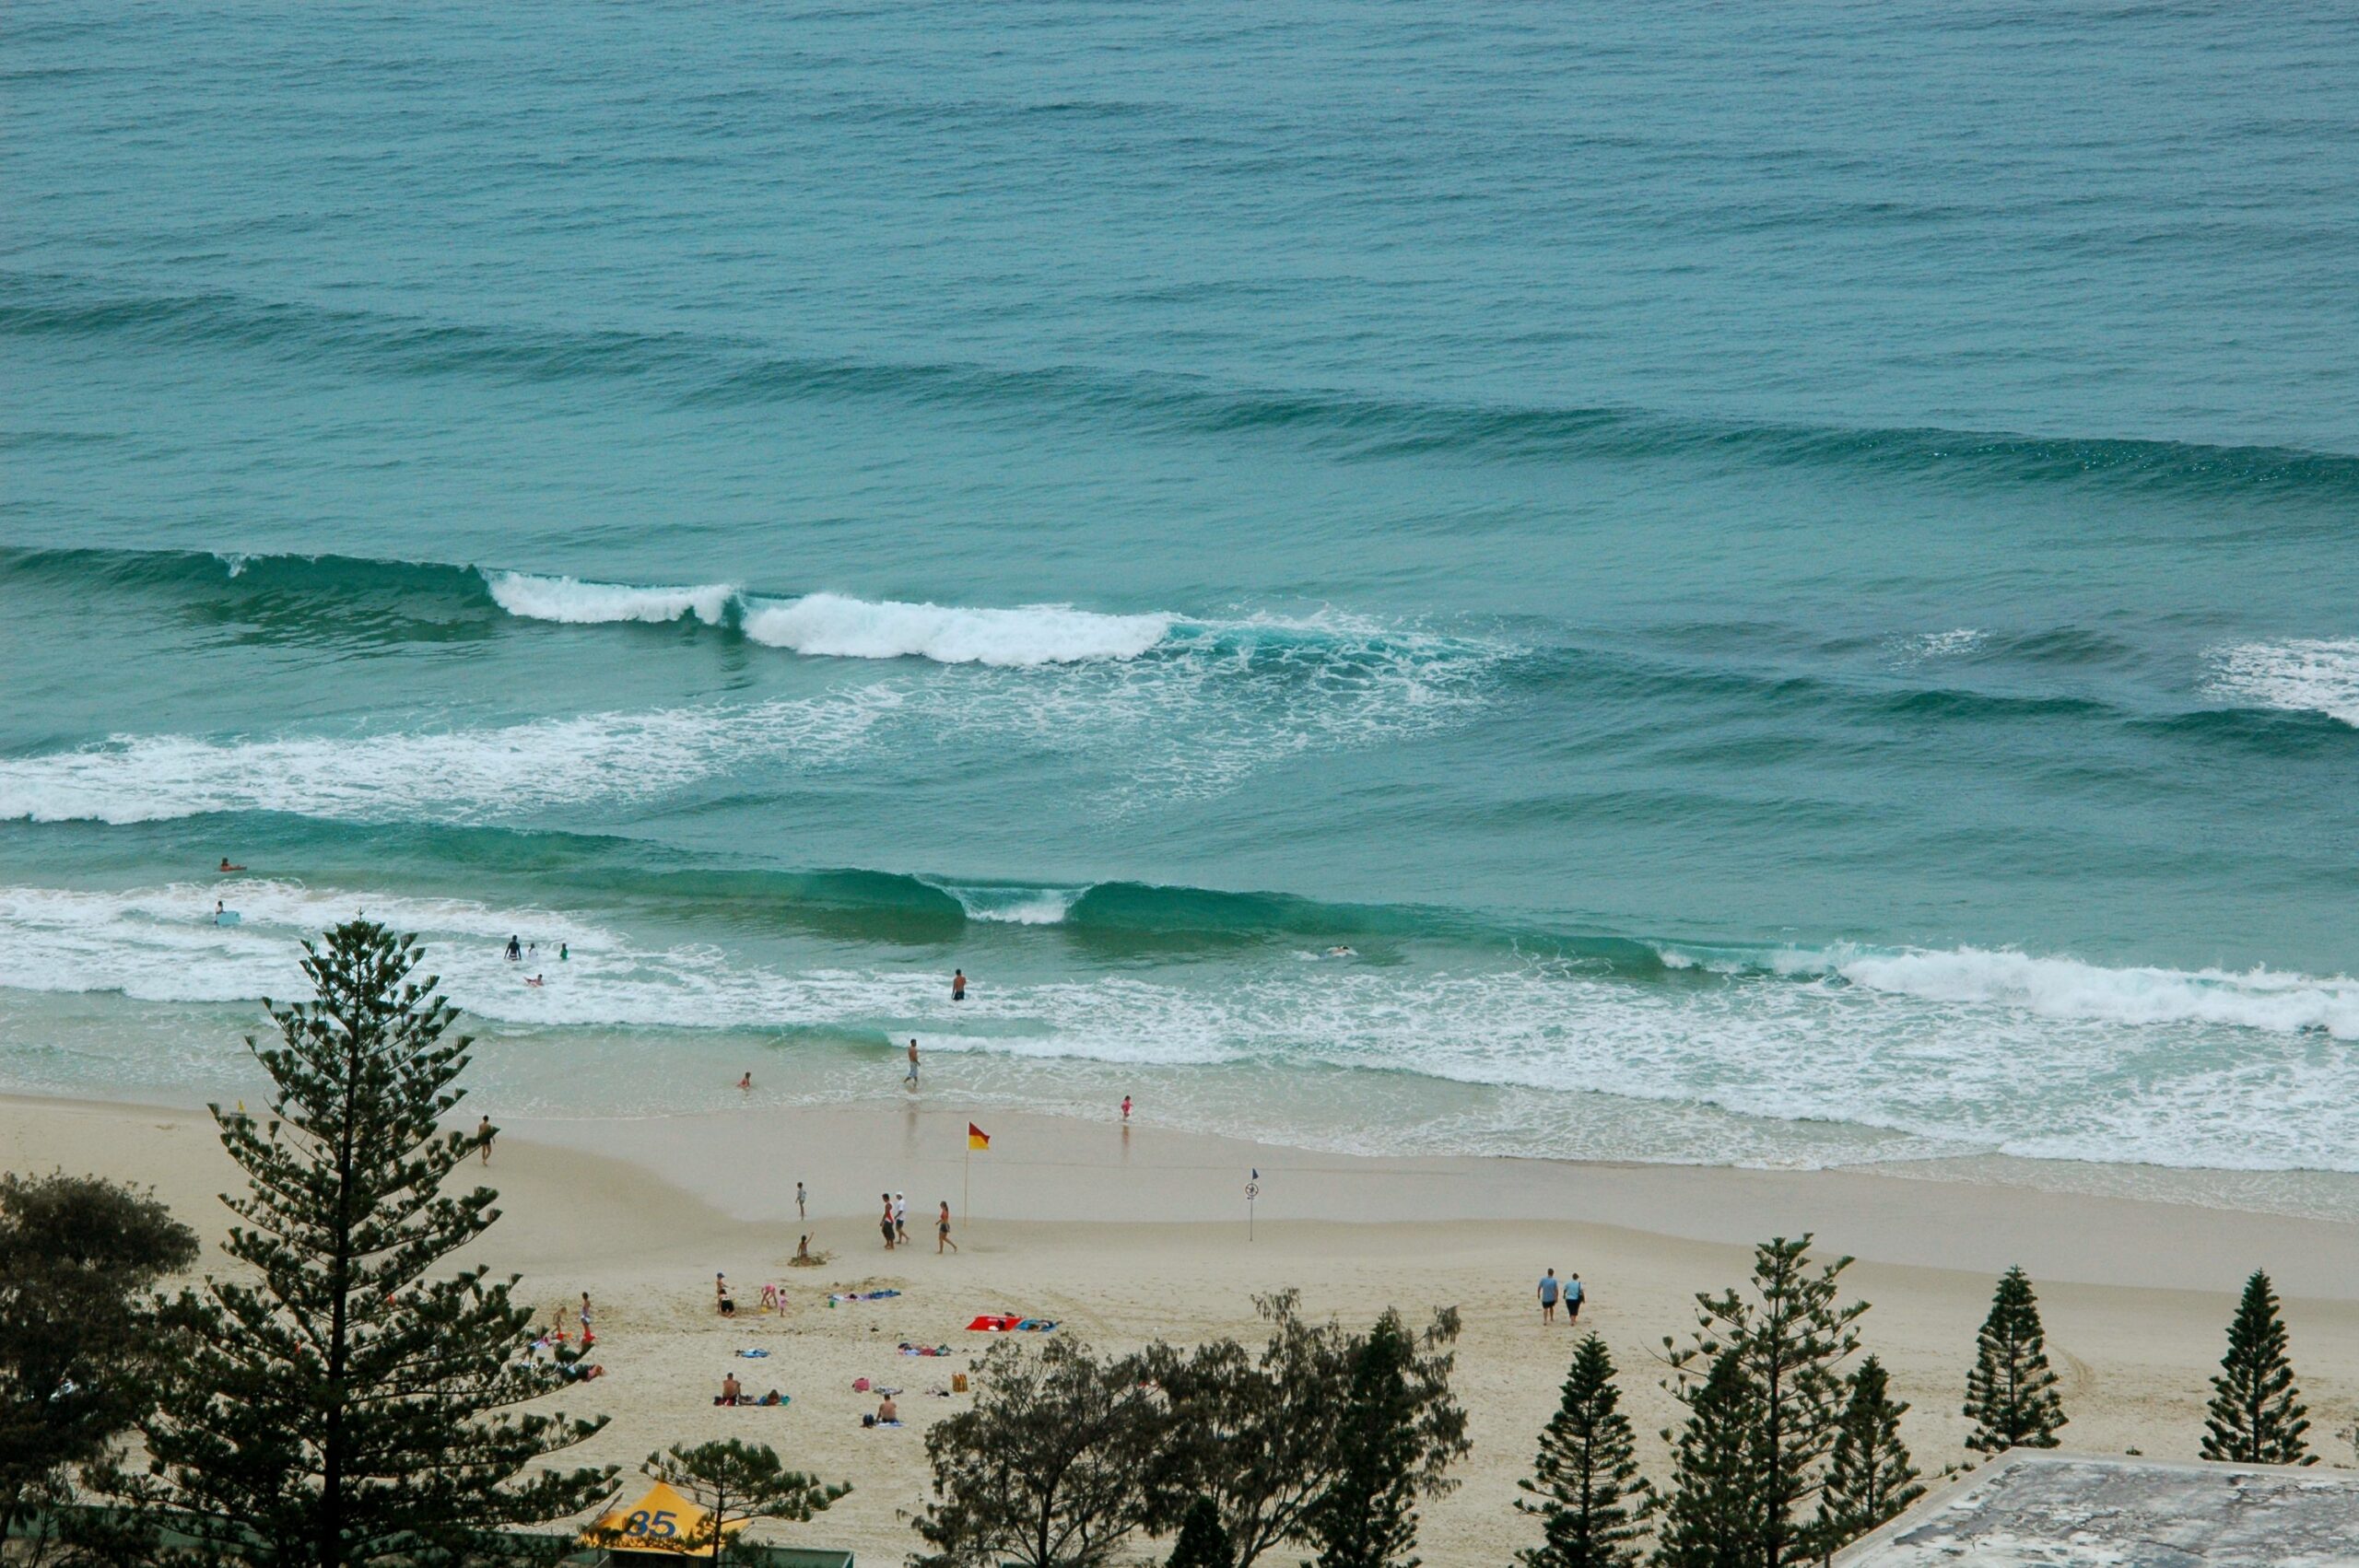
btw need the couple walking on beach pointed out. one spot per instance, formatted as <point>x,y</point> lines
<point>1553,1290</point>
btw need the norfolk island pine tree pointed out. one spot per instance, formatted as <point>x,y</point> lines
<point>2010,1392</point>
<point>337,1407</point>
<point>1593,1502</point>
<point>2257,1415</point>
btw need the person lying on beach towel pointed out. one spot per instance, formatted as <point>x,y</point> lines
<point>863,1295</point>
<point>909,1349</point>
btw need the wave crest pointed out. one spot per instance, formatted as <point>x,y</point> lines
<point>2306,675</point>
<point>833,625</point>
<point>576,602</point>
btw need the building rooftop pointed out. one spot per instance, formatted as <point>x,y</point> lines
<point>2052,1511</point>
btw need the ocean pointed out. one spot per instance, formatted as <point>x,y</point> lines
<point>1770,585</point>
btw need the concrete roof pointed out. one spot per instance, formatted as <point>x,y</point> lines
<point>2058,1511</point>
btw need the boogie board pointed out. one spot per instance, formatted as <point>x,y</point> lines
<point>226,916</point>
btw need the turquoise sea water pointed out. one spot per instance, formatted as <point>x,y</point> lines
<point>1784,579</point>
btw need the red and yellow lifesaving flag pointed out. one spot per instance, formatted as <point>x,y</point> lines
<point>977,1138</point>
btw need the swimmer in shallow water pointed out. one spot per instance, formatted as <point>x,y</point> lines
<point>228,867</point>
<point>1340,951</point>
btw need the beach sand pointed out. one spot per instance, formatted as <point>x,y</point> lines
<point>1124,1237</point>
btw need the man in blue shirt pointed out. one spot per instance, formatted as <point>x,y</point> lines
<point>1573,1293</point>
<point>1548,1290</point>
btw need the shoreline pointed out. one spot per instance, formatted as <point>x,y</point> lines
<point>743,1163</point>
<point>1124,1249</point>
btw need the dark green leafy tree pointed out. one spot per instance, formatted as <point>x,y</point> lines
<point>335,1405</point>
<point>1592,1499</point>
<point>2258,1417</point>
<point>1869,1476</point>
<point>734,1482</point>
<point>1256,1433</point>
<point>1202,1543</point>
<point>1791,1340</point>
<point>2011,1394</point>
<point>80,1346</point>
<point>1049,1468</point>
<point>1715,1515</point>
<point>1367,1517</point>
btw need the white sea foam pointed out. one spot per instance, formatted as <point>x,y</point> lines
<point>1952,1053</point>
<point>1941,645</point>
<point>2063,987</point>
<point>436,776</point>
<point>2309,674</point>
<point>1213,704</point>
<point>577,603</point>
<point>830,625</point>
<point>1014,904</point>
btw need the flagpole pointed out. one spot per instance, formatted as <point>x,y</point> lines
<point>967,1184</point>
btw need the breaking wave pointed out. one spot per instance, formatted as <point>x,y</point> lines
<point>1964,1050</point>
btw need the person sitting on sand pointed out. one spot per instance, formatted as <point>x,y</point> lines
<point>887,1413</point>
<point>803,1249</point>
<point>772,1398</point>
<point>731,1393</point>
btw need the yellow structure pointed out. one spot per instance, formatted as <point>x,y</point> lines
<point>660,1521</point>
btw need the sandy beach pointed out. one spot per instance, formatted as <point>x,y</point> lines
<point>1127,1238</point>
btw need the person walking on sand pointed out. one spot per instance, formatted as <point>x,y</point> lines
<point>1126,1110</point>
<point>484,1133</point>
<point>799,1199</point>
<point>1573,1293</point>
<point>942,1230</point>
<point>585,1317</point>
<point>900,1219</point>
<point>1548,1291</point>
<point>886,1221</point>
<point>913,1079</point>
<point>959,985</point>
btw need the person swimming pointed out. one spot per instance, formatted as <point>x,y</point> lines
<point>533,981</point>
<point>228,867</point>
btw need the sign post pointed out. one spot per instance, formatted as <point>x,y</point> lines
<point>1252,1192</point>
